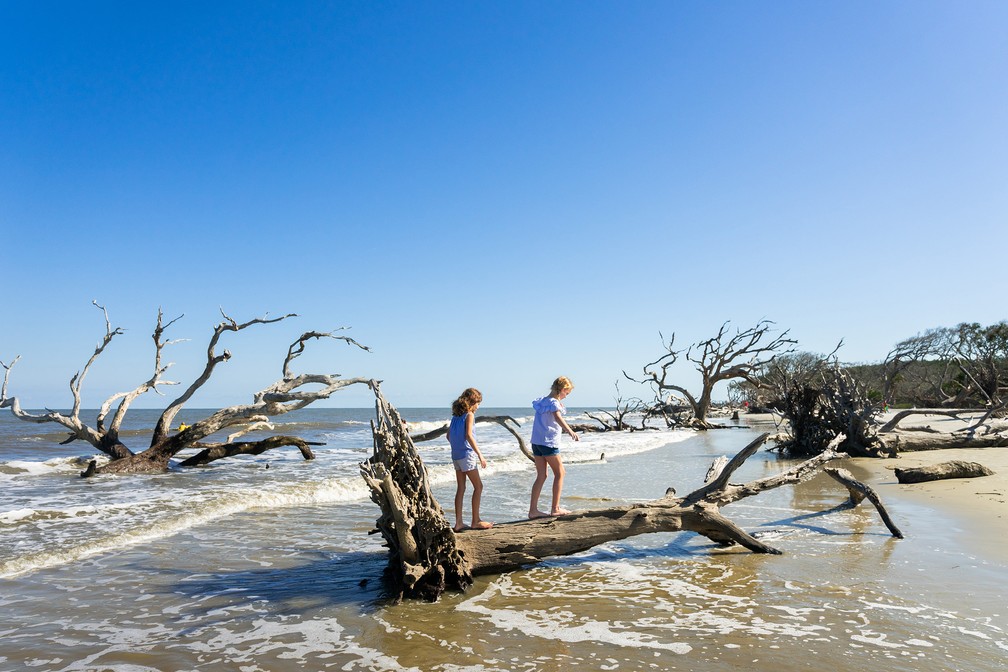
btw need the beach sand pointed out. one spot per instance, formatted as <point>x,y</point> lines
<point>981,504</point>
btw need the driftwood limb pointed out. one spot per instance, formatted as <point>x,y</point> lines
<point>935,472</point>
<point>908,441</point>
<point>501,420</point>
<point>858,492</point>
<point>216,451</point>
<point>894,421</point>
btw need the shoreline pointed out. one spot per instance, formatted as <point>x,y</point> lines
<point>979,504</point>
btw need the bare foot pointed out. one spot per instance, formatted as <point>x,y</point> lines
<point>538,514</point>
<point>560,512</point>
<point>482,525</point>
<point>458,528</point>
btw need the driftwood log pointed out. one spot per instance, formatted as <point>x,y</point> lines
<point>426,557</point>
<point>292,392</point>
<point>936,472</point>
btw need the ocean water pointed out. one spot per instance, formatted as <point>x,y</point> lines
<point>266,563</point>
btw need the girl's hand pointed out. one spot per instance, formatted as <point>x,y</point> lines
<point>575,436</point>
<point>482,462</point>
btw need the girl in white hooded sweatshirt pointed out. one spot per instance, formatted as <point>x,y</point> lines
<point>547,428</point>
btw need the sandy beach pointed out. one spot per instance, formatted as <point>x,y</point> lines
<point>980,503</point>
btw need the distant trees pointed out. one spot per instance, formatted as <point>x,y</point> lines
<point>291,392</point>
<point>949,367</point>
<point>944,367</point>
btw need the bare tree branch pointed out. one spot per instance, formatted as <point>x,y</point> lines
<point>717,359</point>
<point>213,359</point>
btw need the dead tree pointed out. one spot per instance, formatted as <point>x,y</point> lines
<point>724,357</point>
<point>616,420</point>
<point>285,395</point>
<point>426,557</point>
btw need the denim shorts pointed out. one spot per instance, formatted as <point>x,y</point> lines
<point>544,451</point>
<point>467,463</point>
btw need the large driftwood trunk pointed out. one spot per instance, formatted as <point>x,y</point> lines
<point>292,392</point>
<point>427,557</point>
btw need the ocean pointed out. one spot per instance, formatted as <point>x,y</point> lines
<point>266,563</point>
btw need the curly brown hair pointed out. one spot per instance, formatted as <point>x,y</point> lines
<point>466,401</point>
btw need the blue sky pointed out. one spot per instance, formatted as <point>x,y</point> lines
<point>491,194</point>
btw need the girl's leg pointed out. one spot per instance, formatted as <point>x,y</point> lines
<point>477,523</point>
<point>556,464</point>
<point>460,485</point>
<point>540,479</point>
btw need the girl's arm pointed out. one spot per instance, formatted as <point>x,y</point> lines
<point>566,427</point>
<point>470,421</point>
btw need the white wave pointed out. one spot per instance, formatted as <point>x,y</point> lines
<point>562,625</point>
<point>330,491</point>
<point>423,426</point>
<point>307,641</point>
<point>11,517</point>
<point>51,466</point>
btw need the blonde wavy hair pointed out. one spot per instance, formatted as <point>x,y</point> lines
<point>560,384</point>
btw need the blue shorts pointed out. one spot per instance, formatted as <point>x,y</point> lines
<point>467,463</point>
<point>544,451</point>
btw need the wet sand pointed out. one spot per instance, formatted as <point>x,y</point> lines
<point>980,504</point>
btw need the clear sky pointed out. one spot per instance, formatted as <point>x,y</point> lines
<point>491,193</point>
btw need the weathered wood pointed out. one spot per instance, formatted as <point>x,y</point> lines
<point>217,451</point>
<point>935,472</point>
<point>426,557</point>
<point>859,491</point>
<point>894,421</point>
<point>285,395</point>
<point>423,558</point>
<point>907,441</point>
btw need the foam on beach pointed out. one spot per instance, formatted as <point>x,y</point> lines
<point>143,522</point>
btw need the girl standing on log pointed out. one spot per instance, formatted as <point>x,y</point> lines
<point>467,457</point>
<point>547,428</point>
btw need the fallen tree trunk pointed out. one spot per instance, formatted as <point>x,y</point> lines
<point>292,392</point>
<point>936,472</point>
<point>426,557</point>
<point>907,441</point>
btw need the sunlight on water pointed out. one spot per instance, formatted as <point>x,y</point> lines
<point>266,563</point>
